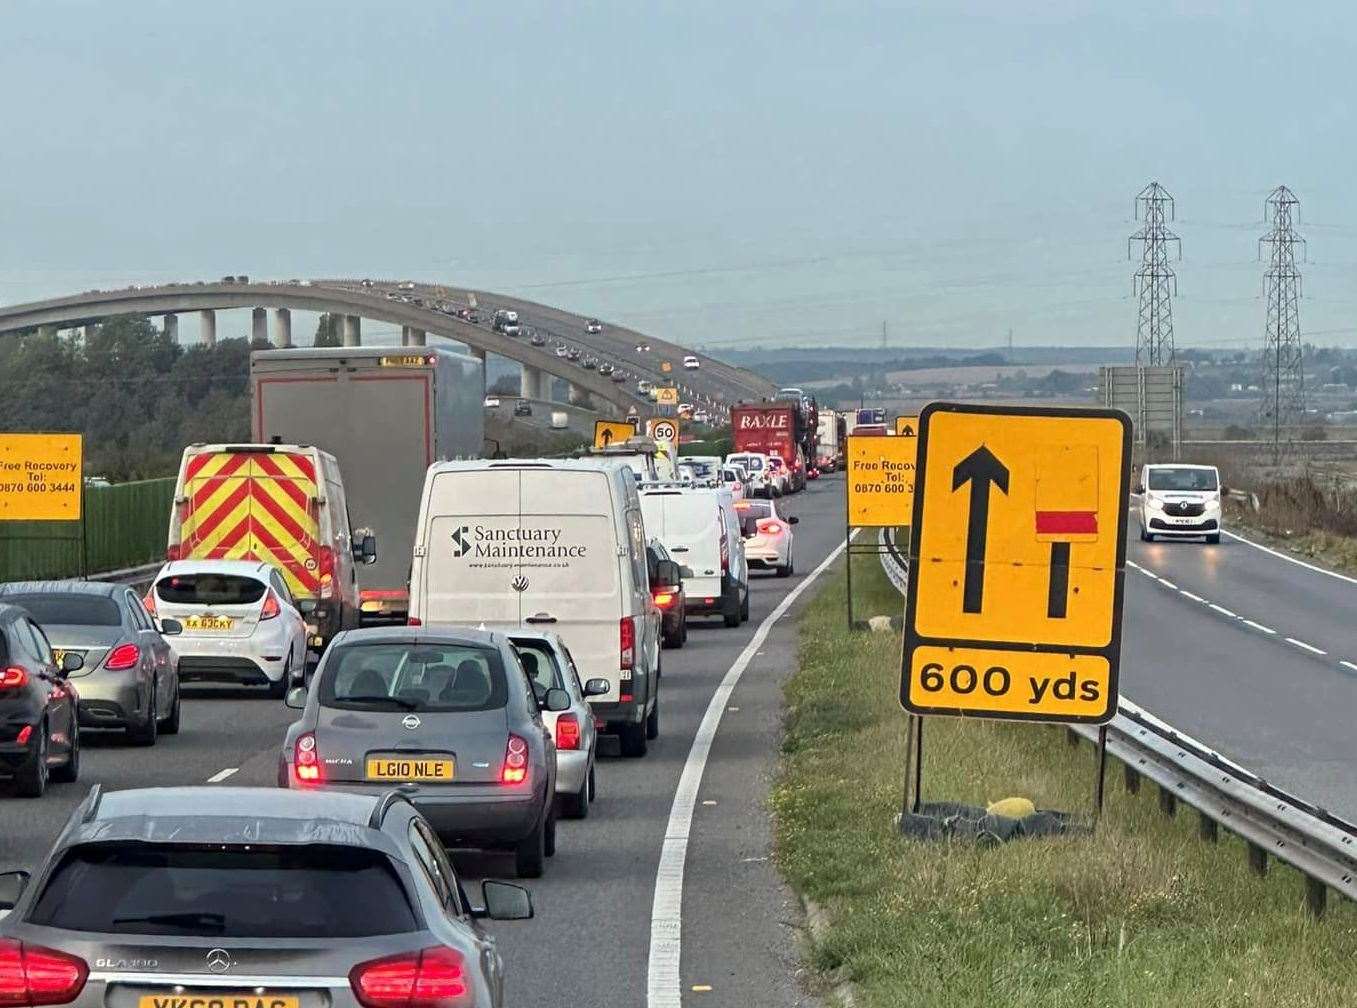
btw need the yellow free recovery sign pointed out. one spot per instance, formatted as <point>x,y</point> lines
<point>41,477</point>
<point>1017,562</point>
<point>880,480</point>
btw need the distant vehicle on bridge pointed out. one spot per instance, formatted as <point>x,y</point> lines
<point>593,326</point>
<point>691,362</point>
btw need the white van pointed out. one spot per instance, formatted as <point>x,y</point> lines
<point>701,531</point>
<point>558,545</point>
<point>760,482</point>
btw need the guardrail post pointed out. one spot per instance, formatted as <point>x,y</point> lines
<point>1131,778</point>
<point>1315,895</point>
<point>1206,828</point>
<point>1257,859</point>
<point>1168,801</point>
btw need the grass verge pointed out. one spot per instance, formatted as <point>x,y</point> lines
<point>1140,913</point>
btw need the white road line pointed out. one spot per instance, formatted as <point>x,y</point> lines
<point>663,987</point>
<point>221,775</point>
<point>1222,610</point>
<point>1290,559</point>
<point>1347,665</point>
<point>1148,573</point>
<point>1308,647</point>
<point>1258,626</point>
<point>1187,594</point>
<point>1168,584</point>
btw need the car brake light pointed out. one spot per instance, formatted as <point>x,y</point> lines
<point>414,621</point>
<point>32,975</point>
<point>13,678</point>
<point>430,978</point>
<point>174,551</point>
<point>663,599</point>
<point>771,527</point>
<point>626,645</point>
<point>271,606</point>
<point>325,561</point>
<point>124,656</point>
<point>567,732</point>
<point>25,733</point>
<point>305,759</point>
<point>515,761</point>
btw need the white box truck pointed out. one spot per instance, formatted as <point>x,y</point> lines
<point>387,414</point>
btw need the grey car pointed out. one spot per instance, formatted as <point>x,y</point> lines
<point>129,678</point>
<point>249,897</point>
<point>446,714</point>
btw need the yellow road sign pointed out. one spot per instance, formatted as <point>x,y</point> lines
<point>666,396</point>
<point>666,366</point>
<point>880,480</point>
<point>664,430</point>
<point>907,426</point>
<point>609,432</point>
<point>1017,561</point>
<point>41,477</point>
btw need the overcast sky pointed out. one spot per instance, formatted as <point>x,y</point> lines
<point>716,172</point>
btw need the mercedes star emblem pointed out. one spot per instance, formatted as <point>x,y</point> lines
<point>411,721</point>
<point>219,960</point>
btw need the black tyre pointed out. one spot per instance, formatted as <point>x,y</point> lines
<point>31,780</point>
<point>593,791</point>
<point>784,571</point>
<point>1145,536</point>
<point>170,726</point>
<point>633,740</point>
<point>730,609</point>
<point>145,734</point>
<point>278,690</point>
<point>744,607</point>
<point>673,638</point>
<point>530,855</point>
<point>1214,540</point>
<point>576,806</point>
<point>69,772</point>
<point>653,721</point>
<point>549,837</point>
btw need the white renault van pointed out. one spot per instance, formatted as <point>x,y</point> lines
<point>558,545</point>
<point>701,531</point>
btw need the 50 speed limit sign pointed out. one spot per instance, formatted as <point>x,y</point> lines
<point>664,430</point>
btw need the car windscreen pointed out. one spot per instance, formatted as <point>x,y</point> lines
<point>1182,479</point>
<point>751,462</point>
<point>539,661</point>
<point>429,677</point>
<point>207,589</point>
<point>57,609</point>
<point>259,891</point>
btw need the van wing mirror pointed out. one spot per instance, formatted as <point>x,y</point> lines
<point>72,662</point>
<point>365,548</point>
<point>685,572</point>
<point>597,687</point>
<point>12,886</point>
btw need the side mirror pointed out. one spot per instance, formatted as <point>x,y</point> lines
<point>12,886</point>
<point>296,698</point>
<point>557,700</point>
<point>306,606</point>
<point>504,901</point>
<point>365,548</point>
<point>792,520</point>
<point>72,662</point>
<point>170,627</point>
<point>597,687</point>
<point>1224,491</point>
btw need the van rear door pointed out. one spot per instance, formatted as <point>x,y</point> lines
<point>256,504</point>
<point>695,535</point>
<point>473,517</point>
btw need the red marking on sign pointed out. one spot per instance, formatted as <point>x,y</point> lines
<point>1066,522</point>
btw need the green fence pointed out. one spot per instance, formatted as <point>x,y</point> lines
<point>125,526</point>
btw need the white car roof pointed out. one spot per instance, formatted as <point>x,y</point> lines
<point>1177,465</point>
<point>253,568</point>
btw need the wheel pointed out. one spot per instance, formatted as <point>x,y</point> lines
<point>145,735</point>
<point>69,771</point>
<point>549,837</point>
<point>170,726</point>
<point>633,740</point>
<point>1213,540</point>
<point>683,631</point>
<point>593,791</point>
<point>31,780</point>
<point>653,721</point>
<point>744,607</point>
<point>278,690</point>
<point>731,611</point>
<point>576,806</point>
<point>672,638</point>
<point>791,565</point>
<point>530,855</point>
<point>785,570</point>
<point>1145,536</point>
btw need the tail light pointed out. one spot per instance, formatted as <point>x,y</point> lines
<point>771,527</point>
<point>25,733</point>
<point>430,978</point>
<point>174,551</point>
<point>626,643</point>
<point>149,602</point>
<point>414,621</point>
<point>271,607</point>
<point>325,560</point>
<point>567,732</point>
<point>122,657</point>
<point>13,678</point>
<point>32,975</point>
<point>664,599</point>
<point>515,761</point>
<point>305,759</point>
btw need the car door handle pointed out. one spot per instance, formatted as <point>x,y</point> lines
<point>540,618</point>
<point>679,549</point>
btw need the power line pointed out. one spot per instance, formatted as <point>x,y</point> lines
<point>1154,282</point>
<point>1283,406</point>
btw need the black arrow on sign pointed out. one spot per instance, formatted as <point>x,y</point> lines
<point>980,469</point>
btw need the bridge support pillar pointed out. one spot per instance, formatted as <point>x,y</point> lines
<point>410,336</point>
<point>534,384</point>
<point>282,328</point>
<point>479,354</point>
<point>352,330</point>
<point>207,327</point>
<point>171,327</point>
<point>259,325</point>
<point>576,396</point>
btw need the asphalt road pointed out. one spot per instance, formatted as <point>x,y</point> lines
<point>592,930</point>
<point>1252,654</point>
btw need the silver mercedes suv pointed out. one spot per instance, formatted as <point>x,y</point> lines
<point>211,897</point>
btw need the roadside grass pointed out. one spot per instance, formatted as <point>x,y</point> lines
<point>1141,912</point>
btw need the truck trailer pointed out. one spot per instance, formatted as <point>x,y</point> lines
<point>774,429</point>
<point>387,414</point>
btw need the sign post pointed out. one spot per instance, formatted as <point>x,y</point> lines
<point>42,479</point>
<point>1017,565</point>
<point>880,487</point>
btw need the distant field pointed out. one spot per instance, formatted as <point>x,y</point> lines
<point>967,374</point>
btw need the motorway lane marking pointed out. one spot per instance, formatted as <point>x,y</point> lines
<point>1195,598</point>
<point>221,775</point>
<point>663,988</point>
<point>1290,559</point>
<point>1308,647</point>
<point>1347,665</point>
<point>1168,584</point>
<point>1223,611</point>
<point>1257,626</point>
